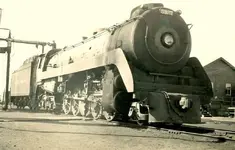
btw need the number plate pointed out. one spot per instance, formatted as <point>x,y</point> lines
<point>166,12</point>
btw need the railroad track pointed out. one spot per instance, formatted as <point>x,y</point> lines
<point>211,134</point>
<point>219,135</point>
<point>190,133</point>
<point>194,132</point>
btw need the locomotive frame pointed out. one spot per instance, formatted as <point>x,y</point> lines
<point>117,72</point>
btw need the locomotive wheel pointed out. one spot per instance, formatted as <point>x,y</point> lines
<point>138,121</point>
<point>47,105</point>
<point>109,116</point>
<point>81,107</point>
<point>53,105</point>
<point>96,110</point>
<point>41,104</point>
<point>66,106</point>
<point>142,122</point>
<point>23,104</point>
<point>75,107</point>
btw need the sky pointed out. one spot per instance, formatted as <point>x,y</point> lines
<point>66,21</point>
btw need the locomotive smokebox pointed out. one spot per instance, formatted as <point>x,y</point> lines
<point>157,40</point>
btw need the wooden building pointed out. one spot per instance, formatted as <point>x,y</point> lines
<point>222,76</point>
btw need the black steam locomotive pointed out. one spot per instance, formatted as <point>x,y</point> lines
<point>139,69</point>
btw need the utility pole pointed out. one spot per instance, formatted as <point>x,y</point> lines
<point>7,50</point>
<point>7,96</point>
<point>0,24</point>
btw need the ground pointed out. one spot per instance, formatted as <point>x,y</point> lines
<point>26,130</point>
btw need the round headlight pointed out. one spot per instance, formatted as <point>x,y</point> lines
<point>168,40</point>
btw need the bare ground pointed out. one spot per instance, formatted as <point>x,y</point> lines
<point>24,130</point>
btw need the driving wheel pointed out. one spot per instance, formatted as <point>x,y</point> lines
<point>109,115</point>
<point>81,107</point>
<point>75,107</point>
<point>96,110</point>
<point>66,106</point>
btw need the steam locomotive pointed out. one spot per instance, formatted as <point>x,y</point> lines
<point>140,69</point>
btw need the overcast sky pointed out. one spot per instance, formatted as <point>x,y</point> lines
<point>66,21</point>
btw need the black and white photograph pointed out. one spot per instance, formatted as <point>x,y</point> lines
<point>117,75</point>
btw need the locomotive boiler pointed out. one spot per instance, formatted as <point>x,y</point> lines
<point>139,69</point>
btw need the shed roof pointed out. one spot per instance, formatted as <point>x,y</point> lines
<point>223,60</point>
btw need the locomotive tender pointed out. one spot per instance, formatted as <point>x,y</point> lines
<point>139,69</point>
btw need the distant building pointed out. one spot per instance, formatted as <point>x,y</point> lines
<point>222,76</point>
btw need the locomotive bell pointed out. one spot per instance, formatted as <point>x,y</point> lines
<point>179,12</point>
